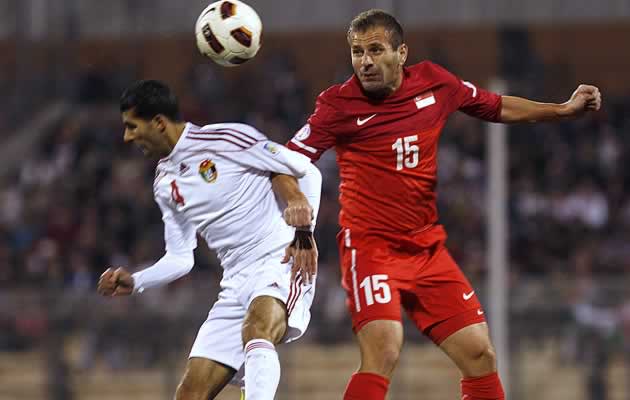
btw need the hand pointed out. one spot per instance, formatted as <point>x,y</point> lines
<point>303,251</point>
<point>585,98</point>
<point>298,213</point>
<point>118,282</point>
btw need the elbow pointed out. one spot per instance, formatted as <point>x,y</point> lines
<point>188,262</point>
<point>183,261</point>
<point>315,173</point>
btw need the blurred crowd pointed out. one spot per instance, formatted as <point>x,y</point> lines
<point>82,202</point>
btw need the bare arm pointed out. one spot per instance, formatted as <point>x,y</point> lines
<point>299,212</point>
<point>302,197</point>
<point>516,109</point>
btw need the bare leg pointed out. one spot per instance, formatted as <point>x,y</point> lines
<point>203,379</point>
<point>265,325</point>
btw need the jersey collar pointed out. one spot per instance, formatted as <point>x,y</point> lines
<point>179,144</point>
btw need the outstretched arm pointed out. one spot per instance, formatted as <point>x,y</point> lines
<point>120,282</point>
<point>180,239</point>
<point>516,109</point>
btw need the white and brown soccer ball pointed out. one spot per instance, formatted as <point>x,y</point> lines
<point>228,32</point>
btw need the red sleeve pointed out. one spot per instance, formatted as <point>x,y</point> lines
<point>317,135</point>
<point>471,99</point>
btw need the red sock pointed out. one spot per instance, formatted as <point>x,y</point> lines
<point>366,386</point>
<point>483,388</point>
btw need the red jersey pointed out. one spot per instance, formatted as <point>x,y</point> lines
<point>387,149</point>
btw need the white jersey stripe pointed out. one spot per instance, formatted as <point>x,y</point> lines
<point>303,146</point>
<point>353,269</point>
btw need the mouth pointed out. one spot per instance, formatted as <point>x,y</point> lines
<point>370,77</point>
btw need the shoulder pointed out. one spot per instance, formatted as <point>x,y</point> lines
<point>224,137</point>
<point>330,105</point>
<point>330,97</point>
<point>428,70</point>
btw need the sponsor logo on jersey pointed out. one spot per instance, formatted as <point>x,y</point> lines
<point>303,133</point>
<point>183,168</point>
<point>363,121</point>
<point>271,147</point>
<point>468,296</point>
<point>208,171</point>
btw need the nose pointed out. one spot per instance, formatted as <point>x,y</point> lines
<point>366,61</point>
<point>128,136</point>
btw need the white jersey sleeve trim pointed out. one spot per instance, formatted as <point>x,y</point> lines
<point>303,146</point>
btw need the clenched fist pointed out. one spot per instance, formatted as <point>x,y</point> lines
<point>115,282</point>
<point>298,213</point>
<point>585,98</point>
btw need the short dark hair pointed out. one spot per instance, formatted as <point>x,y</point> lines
<point>373,18</point>
<point>149,98</point>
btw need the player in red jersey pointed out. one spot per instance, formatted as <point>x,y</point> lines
<point>385,123</point>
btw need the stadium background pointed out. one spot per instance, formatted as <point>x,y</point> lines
<point>74,199</point>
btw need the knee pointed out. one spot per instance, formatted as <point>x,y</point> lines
<point>266,319</point>
<point>272,331</point>
<point>483,359</point>
<point>380,343</point>
<point>487,354</point>
<point>191,389</point>
<point>390,356</point>
<point>380,359</point>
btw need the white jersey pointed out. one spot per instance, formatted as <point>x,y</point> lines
<point>216,182</point>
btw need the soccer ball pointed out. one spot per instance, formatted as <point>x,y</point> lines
<point>228,31</point>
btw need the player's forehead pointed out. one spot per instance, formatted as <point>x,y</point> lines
<point>129,116</point>
<point>376,35</point>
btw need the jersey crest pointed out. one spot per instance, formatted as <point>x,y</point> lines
<point>208,171</point>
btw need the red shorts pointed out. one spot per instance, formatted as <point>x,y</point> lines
<point>382,272</point>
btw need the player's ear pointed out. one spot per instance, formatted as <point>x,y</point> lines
<point>403,51</point>
<point>160,122</point>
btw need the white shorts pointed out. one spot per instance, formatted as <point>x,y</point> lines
<point>219,337</point>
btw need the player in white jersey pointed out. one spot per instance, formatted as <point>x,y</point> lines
<point>217,181</point>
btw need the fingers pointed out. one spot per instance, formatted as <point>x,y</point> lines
<point>287,255</point>
<point>122,290</point>
<point>593,103</point>
<point>116,282</point>
<point>123,278</point>
<point>305,261</point>
<point>586,98</point>
<point>106,283</point>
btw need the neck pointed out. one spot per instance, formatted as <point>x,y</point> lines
<point>396,84</point>
<point>174,133</point>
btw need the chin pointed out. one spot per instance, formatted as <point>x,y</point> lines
<point>375,90</point>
